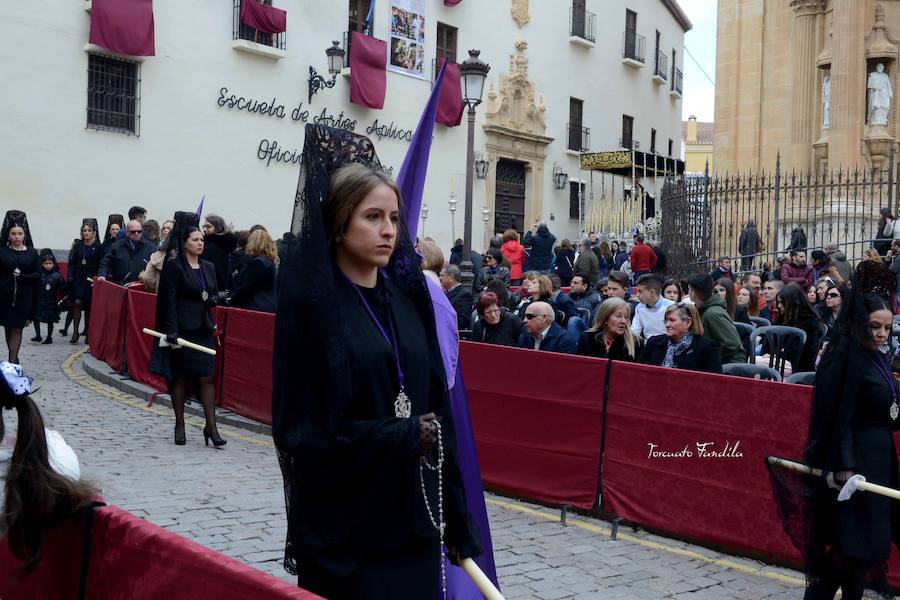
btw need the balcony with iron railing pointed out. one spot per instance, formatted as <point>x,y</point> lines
<point>579,138</point>
<point>248,39</point>
<point>677,83</point>
<point>633,48</point>
<point>582,26</point>
<point>661,69</point>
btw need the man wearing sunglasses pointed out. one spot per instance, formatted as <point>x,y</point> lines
<point>542,333</point>
<point>127,257</point>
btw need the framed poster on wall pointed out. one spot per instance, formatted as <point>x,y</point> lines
<point>407,43</point>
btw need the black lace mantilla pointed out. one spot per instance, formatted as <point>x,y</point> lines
<point>15,218</point>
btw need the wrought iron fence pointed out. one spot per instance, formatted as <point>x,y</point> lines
<point>582,23</point>
<point>662,65</point>
<point>633,45</point>
<point>579,137</point>
<point>703,217</point>
<point>677,81</point>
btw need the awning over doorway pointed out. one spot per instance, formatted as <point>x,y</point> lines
<point>621,162</point>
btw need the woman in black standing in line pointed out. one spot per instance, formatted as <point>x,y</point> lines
<point>185,298</point>
<point>20,275</point>
<point>84,261</point>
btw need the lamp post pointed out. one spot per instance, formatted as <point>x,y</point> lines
<point>452,203</point>
<point>485,217</point>
<point>316,82</point>
<point>424,214</point>
<point>473,73</point>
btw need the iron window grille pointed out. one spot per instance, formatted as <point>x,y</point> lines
<point>243,32</point>
<point>579,137</point>
<point>581,22</point>
<point>113,94</point>
<point>576,199</point>
<point>633,45</point>
<point>677,81</point>
<point>662,64</point>
<point>627,139</point>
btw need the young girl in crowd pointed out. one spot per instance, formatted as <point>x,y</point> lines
<point>51,287</point>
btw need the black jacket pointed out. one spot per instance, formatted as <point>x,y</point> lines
<point>589,345</point>
<point>216,249</point>
<point>564,304</point>
<point>557,340</point>
<point>126,260</point>
<point>462,302</point>
<point>541,246</point>
<point>180,306</point>
<point>504,333</point>
<point>255,287</point>
<point>701,355</point>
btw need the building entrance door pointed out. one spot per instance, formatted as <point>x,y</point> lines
<point>509,202</point>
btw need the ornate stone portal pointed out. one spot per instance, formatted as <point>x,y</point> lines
<point>514,130</point>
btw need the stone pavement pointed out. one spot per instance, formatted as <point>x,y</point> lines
<point>231,500</point>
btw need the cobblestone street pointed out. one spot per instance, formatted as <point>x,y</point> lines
<point>231,500</point>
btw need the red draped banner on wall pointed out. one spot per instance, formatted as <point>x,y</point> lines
<point>123,26</point>
<point>263,17</point>
<point>368,77</point>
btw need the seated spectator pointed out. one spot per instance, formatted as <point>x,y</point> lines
<point>492,269</point>
<point>683,346</point>
<point>649,314</point>
<point>769,293</point>
<point>587,264</point>
<point>796,311</point>
<point>611,336</point>
<point>830,309</point>
<point>499,289</point>
<point>723,269</point>
<point>583,295</point>
<point>797,271</point>
<point>724,287</point>
<point>432,259</point>
<point>542,333</point>
<point>747,298</point>
<point>127,257</point>
<point>717,325</point>
<point>255,287</point>
<point>566,313</point>
<point>459,296</point>
<point>812,295</point>
<point>456,256</point>
<point>535,288</point>
<point>495,324</point>
<point>671,290</point>
<point>617,285</point>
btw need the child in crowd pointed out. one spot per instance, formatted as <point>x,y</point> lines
<point>48,297</point>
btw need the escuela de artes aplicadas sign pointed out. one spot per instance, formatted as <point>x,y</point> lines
<point>270,150</point>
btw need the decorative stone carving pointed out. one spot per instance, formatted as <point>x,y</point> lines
<point>879,43</point>
<point>512,105</point>
<point>519,10</point>
<point>806,7</point>
<point>826,100</point>
<point>878,94</point>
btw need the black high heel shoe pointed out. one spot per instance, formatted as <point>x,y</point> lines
<point>74,338</point>
<point>216,439</point>
<point>180,441</point>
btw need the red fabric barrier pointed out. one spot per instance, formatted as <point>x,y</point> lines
<point>247,364</point>
<point>138,345</point>
<point>132,558</point>
<point>725,500</point>
<point>538,436</point>
<point>221,316</point>
<point>107,327</point>
<point>63,268</point>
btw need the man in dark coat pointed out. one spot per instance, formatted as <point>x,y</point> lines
<point>127,258</point>
<point>797,271</point>
<point>839,260</point>
<point>456,256</point>
<point>749,244</point>
<point>541,241</point>
<point>660,268</point>
<point>542,333</point>
<point>723,269</point>
<point>459,296</point>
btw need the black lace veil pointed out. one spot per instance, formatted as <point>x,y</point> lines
<point>114,218</point>
<point>15,218</point>
<point>310,355</point>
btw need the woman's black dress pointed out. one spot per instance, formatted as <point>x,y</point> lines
<point>84,262</point>
<point>863,526</point>
<point>18,296</point>
<point>48,297</point>
<point>504,333</point>
<point>181,311</point>
<point>357,507</point>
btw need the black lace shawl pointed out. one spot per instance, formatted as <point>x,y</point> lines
<point>15,218</point>
<point>311,387</point>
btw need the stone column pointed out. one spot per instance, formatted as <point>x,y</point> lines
<point>803,109</point>
<point>848,86</point>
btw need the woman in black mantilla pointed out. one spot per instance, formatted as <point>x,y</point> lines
<point>84,261</point>
<point>185,298</point>
<point>20,275</point>
<point>855,408</point>
<point>360,408</point>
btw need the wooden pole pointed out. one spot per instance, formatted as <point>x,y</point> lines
<point>182,342</point>
<point>864,486</point>
<point>481,581</point>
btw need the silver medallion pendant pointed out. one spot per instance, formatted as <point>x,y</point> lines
<point>17,272</point>
<point>83,261</point>
<point>48,287</point>
<point>402,406</point>
<point>895,411</point>
<point>204,296</point>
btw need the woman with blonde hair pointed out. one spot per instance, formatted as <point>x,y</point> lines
<point>432,259</point>
<point>611,335</point>
<point>683,346</point>
<point>872,254</point>
<point>255,287</point>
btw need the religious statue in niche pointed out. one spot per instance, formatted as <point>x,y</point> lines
<point>878,96</point>
<point>826,100</point>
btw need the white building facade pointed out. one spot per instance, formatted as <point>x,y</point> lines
<point>567,76</point>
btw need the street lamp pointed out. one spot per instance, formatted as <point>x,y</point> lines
<point>335,56</point>
<point>424,214</point>
<point>473,73</point>
<point>559,177</point>
<point>452,203</point>
<point>481,166</point>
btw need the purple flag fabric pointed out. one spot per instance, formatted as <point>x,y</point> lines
<point>123,26</point>
<point>263,17</point>
<point>411,181</point>
<point>200,207</point>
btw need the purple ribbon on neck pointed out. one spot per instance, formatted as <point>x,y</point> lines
<point>392,340</point>
<point>882,370</point>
